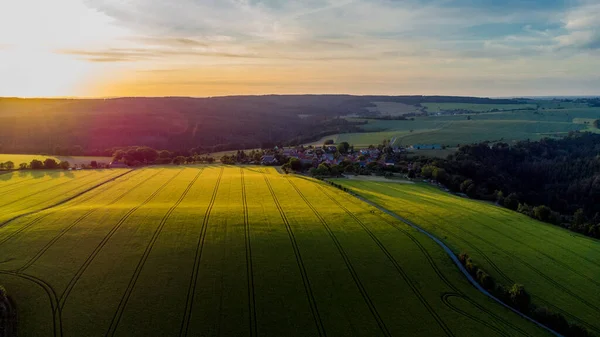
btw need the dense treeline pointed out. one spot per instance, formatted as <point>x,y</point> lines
<point>518,298</point>
<point>555,181</point>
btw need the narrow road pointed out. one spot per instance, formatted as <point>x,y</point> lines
<point>454,259</point>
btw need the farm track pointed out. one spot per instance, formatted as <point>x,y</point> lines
<point>454,259</point>
<point>305,280</point>
<point>109,179</point>
<point>189,303</point>
<point>43,216</point>
<point>76,222</point>
<point>431,264</point>
<point>350,267</point>
<point>397,266</point>
<point>101,245</point>
<point>138,270</point>
<point>515,257</point>
<point>249,269</point>
<point>55,308</point>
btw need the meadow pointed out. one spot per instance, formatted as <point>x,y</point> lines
<point>225,250</point>
<point>559,268</point>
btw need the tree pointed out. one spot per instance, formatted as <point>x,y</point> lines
<point>597,123</point>
<point>36,165</point>
<point>22,166</point>
<point>9,165</point>
<point>343,147</point>
<point>295,164</point>
<point>511,201</point>
<point>579,217</point>
<point>64,165</point>
<point>542,213</point>
<point>519,298</point>
<point>50,164</point>
<point>427,171</point>
<point>181,160</point>
<point>94,164</point>
<point>328,142</point>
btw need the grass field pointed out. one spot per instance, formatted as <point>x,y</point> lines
<point>27,158</point>
<point>223,250</point>
<point>438,107</point>
<point>449,130</point>
<point>559,268</point>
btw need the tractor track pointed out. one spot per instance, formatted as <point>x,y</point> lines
<point>138,270</point>
<point>88,261</point>
<point>249,270</point>
<point>399,269</point>
<point>305,280</point>
<point>348,264</point>
<point>73,224</point>
<point>189,303</point>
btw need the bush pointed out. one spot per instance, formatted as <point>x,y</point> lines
<point>2,293</point>
<point>519,298</point>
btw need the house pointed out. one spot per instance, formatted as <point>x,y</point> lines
<point>389,162</point>
<point>117,164</point>
<point>331,148</point>
<point>269,160</point>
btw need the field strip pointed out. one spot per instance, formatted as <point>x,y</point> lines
<point>348,264</point>
<point>16,183</point>
<point>123,303</point>
<point>67,199</point>
<point>249,270</point>
<point>433,265</point>
<point>97,250</point>
<point>455,260</point>
<point>73,224</point>
<point>189,303</point>
<point>43,216</point>
<point>56,312</point>
<point>305,280</point>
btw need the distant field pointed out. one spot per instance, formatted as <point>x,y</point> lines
<point>223,250</point>
<point>451,130</point>
<point>393,108</point>
<point>27,158</point>
<point>558,267</point>
<point>437,107</point>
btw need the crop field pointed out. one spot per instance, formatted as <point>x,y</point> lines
<point>559,268</point>
<point>231,251</point>
<point>452,130</point>
<point>27,158</point>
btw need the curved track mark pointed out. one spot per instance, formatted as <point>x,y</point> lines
<point>249,270</point>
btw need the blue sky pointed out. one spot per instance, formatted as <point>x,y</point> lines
<point>210,47</point>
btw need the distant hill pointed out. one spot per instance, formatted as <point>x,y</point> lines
<point>91,126</point>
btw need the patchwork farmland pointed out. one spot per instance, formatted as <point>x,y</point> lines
<point>224,250</point>
<point>559,268</point>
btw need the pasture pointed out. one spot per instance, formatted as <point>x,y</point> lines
<point>230,251</point>
<point>559,268</point>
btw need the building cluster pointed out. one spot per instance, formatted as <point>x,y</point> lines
<point>329,154</point>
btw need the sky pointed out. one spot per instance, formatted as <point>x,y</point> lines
<point>108,48</point>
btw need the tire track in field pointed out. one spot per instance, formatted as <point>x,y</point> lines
<point>446,300</point>
<point>16,183</point>
<point>76,222</point>
<point>453,258</point>
<point>305,280</point>
<point>566,314</point>
<point>43,216</point>
<point>138,270</point>
<point>6,192</point>
<point>50,188</point>
<point>189,303</point>
<point>350,267</point>
<point>61,202</point>
<point>101,245</point>
<point>56,310</point>
<point>393,260</point>
<point>249,269</point>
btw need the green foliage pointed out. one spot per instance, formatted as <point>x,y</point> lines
<point>2,293</point>
<point>64,165</point>
<point>50,164</point>
<point>597,123</point>
<point>36,165</point>
<point>181,160</point>
<point>519,298</point>
<point>343,147</point>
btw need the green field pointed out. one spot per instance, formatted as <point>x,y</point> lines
<point>452,130</point>
<point>438,107</point>
<point>559,268</point>
<point>27,158</point>
<point>223,250</point>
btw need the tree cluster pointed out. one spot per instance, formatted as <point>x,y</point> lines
<point>517,297</point>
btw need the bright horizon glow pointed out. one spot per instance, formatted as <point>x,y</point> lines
<point>201,48</point>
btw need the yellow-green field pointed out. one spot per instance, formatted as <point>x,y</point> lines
<point>229,251</point>
<point>559,268</point>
